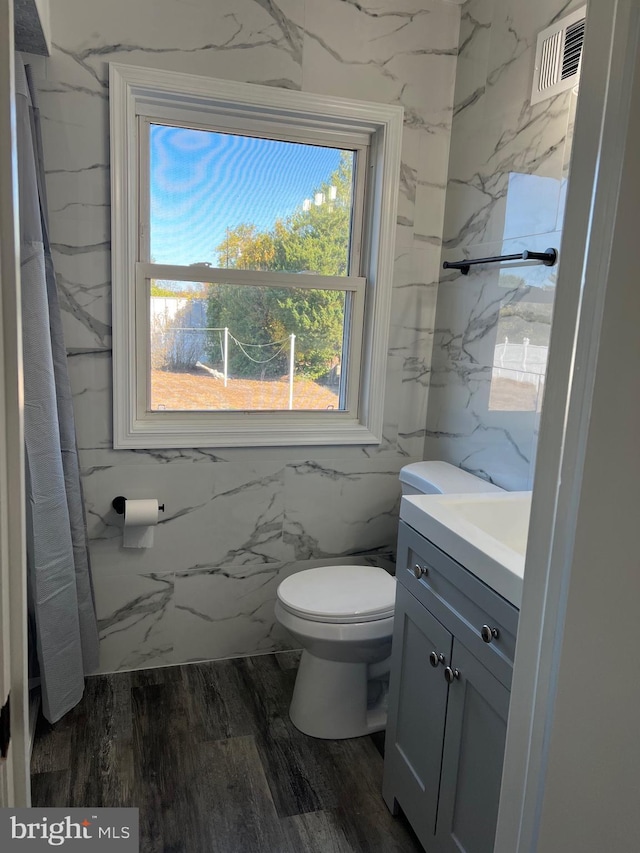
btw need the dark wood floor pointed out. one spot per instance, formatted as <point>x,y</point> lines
<point>208,754</point>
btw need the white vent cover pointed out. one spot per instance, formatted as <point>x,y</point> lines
<point>558,55</point>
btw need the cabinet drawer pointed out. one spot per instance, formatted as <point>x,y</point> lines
<point>460,601</point>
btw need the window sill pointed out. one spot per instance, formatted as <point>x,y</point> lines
<point>246,430</point>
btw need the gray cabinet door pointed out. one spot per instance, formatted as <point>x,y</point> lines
<point>417,708</point>
<point>472,759</point>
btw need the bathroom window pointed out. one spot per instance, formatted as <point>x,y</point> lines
<point>252,262</point>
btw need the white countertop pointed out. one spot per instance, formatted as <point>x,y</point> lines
<point>486,533</point>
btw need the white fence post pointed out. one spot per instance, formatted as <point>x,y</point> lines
<point>292,345</point>
<point>225,356</point>
<point>525,347</point>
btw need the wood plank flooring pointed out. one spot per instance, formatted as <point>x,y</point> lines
<point>208,754</point>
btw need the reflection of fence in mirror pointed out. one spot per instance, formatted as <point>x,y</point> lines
<point>520,355</point>
<point>186,354</point>
<point>517,378</point>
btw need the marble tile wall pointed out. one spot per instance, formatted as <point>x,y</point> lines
<point>508,170</point>
<point>238,521</point>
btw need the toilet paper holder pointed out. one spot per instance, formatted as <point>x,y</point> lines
<point>119,502</point>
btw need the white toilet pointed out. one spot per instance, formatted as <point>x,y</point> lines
<point>342,616</point>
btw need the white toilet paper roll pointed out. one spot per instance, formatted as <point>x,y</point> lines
<point>140,517</point>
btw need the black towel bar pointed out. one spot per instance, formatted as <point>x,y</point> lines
<point>549,258</point>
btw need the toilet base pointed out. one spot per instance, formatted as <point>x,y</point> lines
<point>330,700</point>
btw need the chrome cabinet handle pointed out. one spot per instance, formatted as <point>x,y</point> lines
<point>419,571</point>
<point>435,659</point>
<point>451,674</point>
<point>489,634</point>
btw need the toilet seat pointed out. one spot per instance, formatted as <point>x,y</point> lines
<point>339,594</point>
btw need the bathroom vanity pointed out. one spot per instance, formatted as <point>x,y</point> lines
<point>452,659</point>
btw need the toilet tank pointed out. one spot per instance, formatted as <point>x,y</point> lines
<point>441,478</point>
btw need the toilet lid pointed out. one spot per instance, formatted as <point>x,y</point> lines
<point>339,594</point>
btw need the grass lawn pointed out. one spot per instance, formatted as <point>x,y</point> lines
<point>199,391</point>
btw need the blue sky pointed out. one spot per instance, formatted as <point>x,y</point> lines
<point>203,183</point>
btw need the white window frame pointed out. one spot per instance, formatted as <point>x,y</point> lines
<point>138,95</point>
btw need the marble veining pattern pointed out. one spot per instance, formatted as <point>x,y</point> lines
<point>508,171</point>
<point>230,612</point>
<point>239,519</point>
<point>135,620</point>
<point>368,494</point>
<point>247,528</point>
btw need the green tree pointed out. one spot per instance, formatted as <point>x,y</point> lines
<point>314,240</point>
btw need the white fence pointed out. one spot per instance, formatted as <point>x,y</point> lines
<point>523,362</point>
<point>171,314</point>
<point>166,308</point>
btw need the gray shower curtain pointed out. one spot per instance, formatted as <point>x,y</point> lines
<point>61,601</point>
